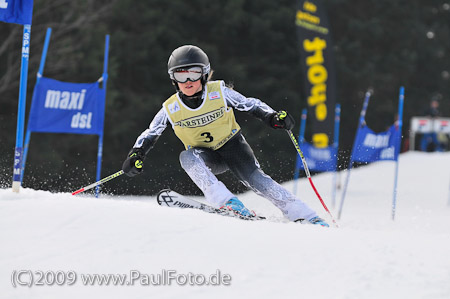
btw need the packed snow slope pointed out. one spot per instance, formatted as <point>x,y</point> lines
<point>368,256</point>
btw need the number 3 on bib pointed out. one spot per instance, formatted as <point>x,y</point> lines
<point>208,137</point>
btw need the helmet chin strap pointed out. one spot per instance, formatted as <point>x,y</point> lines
<point>204,80</point>
<point>175,84</point>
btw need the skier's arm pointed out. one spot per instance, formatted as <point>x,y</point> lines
<point>144,143</point>
<point>259,109</point>
<point>147,140</point>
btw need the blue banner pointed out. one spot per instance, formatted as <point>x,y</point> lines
<point>318,159</point>
<point>60,107</point>
<point>371,147</point>
<point>16,11</point>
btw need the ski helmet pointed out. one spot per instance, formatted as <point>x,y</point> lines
<point>186,56</point>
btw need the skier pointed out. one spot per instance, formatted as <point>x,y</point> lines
<point>201,115</point>
<point>430,141</point>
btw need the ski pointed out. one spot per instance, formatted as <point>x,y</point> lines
<point>171,198</point>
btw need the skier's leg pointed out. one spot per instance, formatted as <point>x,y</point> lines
<point>292,207</point>
<point>241,160</point>
<point>201,165</point>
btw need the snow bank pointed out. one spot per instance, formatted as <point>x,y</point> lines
<point>369,256</point>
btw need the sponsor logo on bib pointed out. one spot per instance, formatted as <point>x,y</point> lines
<point>214,95</point>
<point>174,107</point>
<point>201,120</point>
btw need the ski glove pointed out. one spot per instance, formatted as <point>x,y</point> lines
<point>282,120</point>
<point>134,163</point>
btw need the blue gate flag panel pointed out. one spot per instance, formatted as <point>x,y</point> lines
<point>371,147</point>
<point>318,159</point>
<point>61,107</point>
<point>16,11</point>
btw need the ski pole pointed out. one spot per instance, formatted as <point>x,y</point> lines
<point>299,151</point>
<point>108,178</point>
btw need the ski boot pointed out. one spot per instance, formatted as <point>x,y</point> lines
<point>315,220</point>
<point>237,207</point>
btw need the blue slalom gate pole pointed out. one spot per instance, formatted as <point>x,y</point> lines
<point>44,54</point>
<point>361,122</point>
<point>398,144</point>
<point>39,75</point>
<point>337,121</point>
<point>99,162</point>
<point>100,137</point>
<point>18,153</point>
<point>301,138</point>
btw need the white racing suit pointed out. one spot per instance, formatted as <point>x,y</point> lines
<point>202,164</point>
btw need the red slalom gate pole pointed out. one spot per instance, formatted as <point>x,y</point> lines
<point>308,174</point>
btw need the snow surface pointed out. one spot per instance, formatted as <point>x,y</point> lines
<point>368,256</point>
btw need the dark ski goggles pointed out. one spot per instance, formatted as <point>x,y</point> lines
<point>192,74</point>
